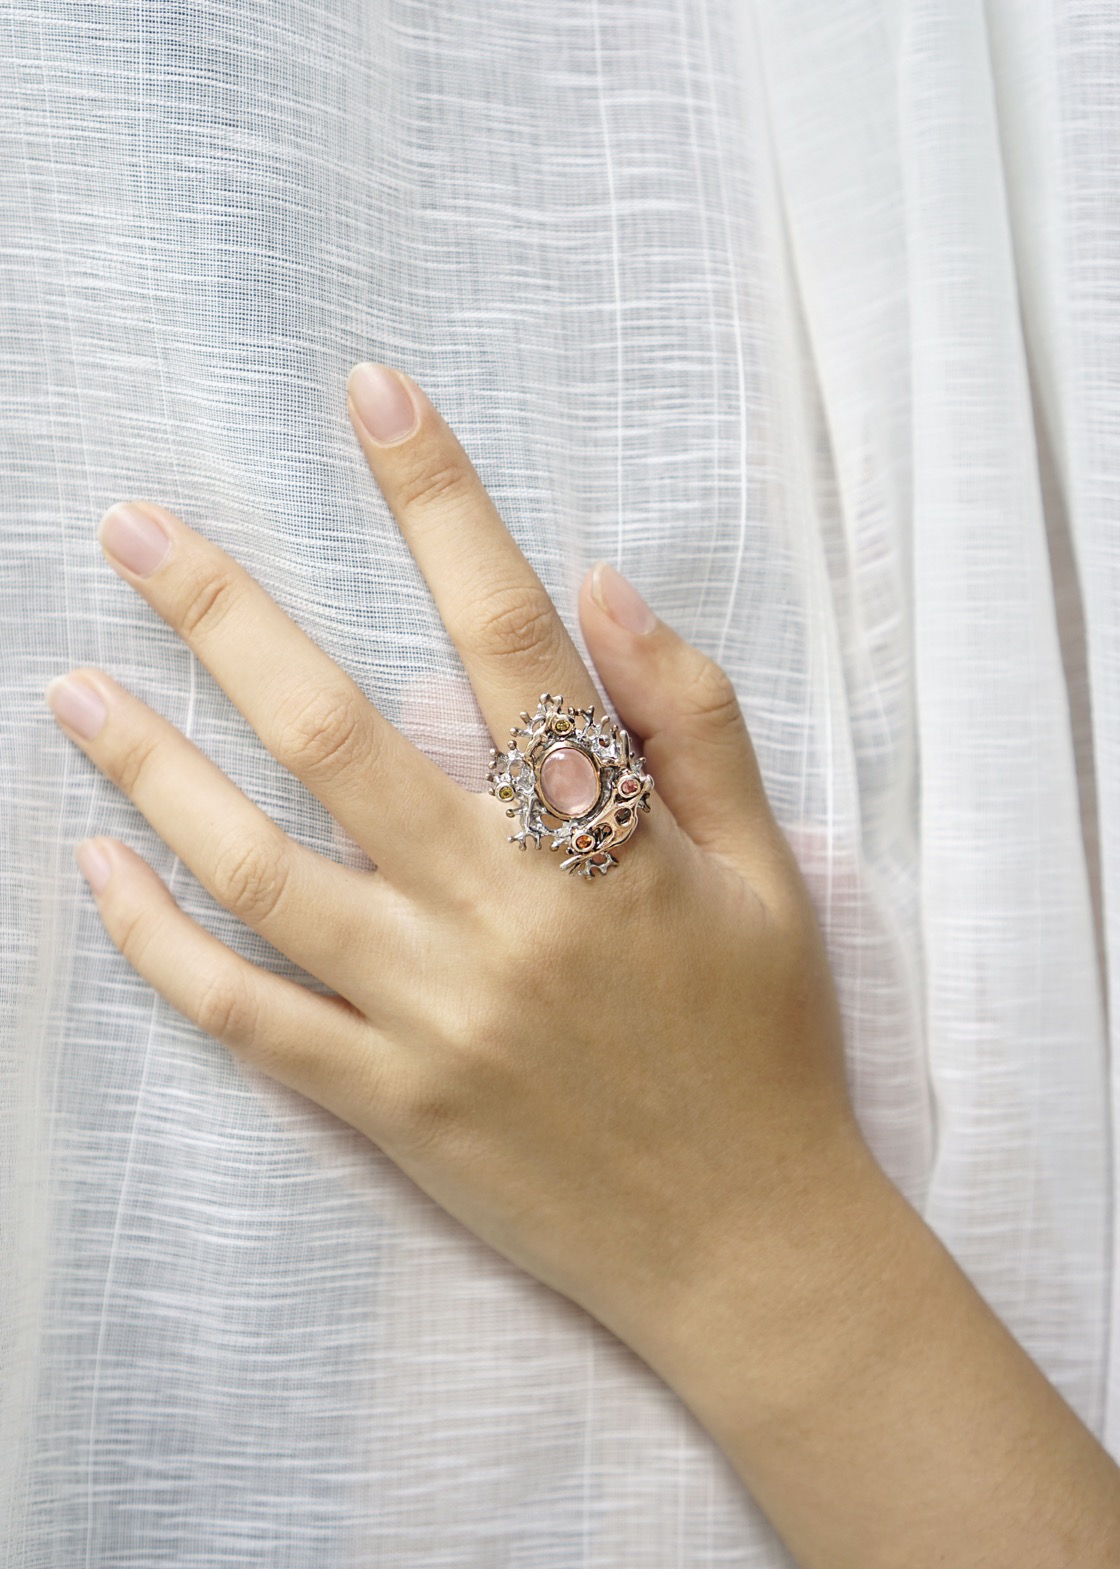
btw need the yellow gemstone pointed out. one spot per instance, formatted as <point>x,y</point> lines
<point>506,792</point>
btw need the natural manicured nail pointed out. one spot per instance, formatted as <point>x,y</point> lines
<point>620,599</point>
<point>94,865</point>
<point>77,704</point>
<point>382,403</point>
<point>138,542</point>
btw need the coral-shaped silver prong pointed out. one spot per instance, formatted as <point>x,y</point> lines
<point>514,777</point>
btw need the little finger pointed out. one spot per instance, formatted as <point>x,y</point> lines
<point>320,1046</point>
<point>318,913</point>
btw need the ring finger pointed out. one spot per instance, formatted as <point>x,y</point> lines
<point>409,816</point>
<point>318,913</point>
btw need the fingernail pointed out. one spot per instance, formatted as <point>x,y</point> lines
<point>382,403</point>
<point>620,599</point>
<point>134,539</point>
<point>93,863</point>
<point>77,704</point>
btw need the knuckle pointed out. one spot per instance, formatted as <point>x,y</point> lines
<point>659,882</point>
<point>226,1010</point>
<point>133,762</point>
<point>323,733</point>
<point>249,877</point>
<point>433,485</point>
<point>425,1118</point>
<point>422,1123</point>
<point>710,693</point>
<point>436,1107</point>
<point>517,621</point>
<point>132,931</point>
<point>206,603</point>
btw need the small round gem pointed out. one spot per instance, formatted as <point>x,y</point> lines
<point>568,781</point>
<point>561,725</point>
<point>629,785</point>
<point>623,816</point>
<point>583,841</point>
<point>506,792</point>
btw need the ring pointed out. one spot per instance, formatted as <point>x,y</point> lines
<point>579,785</point>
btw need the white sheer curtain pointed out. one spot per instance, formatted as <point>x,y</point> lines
<point>806,314</point>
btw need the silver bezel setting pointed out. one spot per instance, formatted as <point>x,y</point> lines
<point>591,837</point>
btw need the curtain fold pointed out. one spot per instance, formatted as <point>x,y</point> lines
<point>806,316</point>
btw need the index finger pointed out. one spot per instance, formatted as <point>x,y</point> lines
<point>498,613</point>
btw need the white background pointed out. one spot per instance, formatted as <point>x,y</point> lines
<point>803,314</point>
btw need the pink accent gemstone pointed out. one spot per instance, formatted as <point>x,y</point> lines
<point>629,785</point>
<point>568,781</point>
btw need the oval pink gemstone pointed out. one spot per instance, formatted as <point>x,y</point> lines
<point>568,781</point>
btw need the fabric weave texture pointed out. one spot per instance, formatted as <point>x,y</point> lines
<point>805,315</point>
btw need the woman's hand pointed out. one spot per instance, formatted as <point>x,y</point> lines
<point>602,1077</point>
<point>632,1085</point>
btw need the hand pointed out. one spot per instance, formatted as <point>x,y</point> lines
<point>632,1085</point>
<point>602,1077</point>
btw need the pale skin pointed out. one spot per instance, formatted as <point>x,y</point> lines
<point>673,1148</point>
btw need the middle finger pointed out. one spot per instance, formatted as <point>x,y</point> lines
<point>410,817</point>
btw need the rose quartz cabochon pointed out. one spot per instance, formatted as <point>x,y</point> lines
<point>568,781</point>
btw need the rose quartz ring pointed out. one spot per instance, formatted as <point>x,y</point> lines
<point>573,780</point>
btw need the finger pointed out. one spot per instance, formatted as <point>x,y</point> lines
<point>320,1046</point>
<point>685,707</point>
<point>321,915</point>
<point>399,807</point>
<point>512,642</point>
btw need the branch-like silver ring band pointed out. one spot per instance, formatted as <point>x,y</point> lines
<point>573,780</point>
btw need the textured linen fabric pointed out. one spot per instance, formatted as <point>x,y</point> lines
<point>806,315</point>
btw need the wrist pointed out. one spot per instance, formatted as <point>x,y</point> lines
<point>782,1305</point>
<point>875,1406</point>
